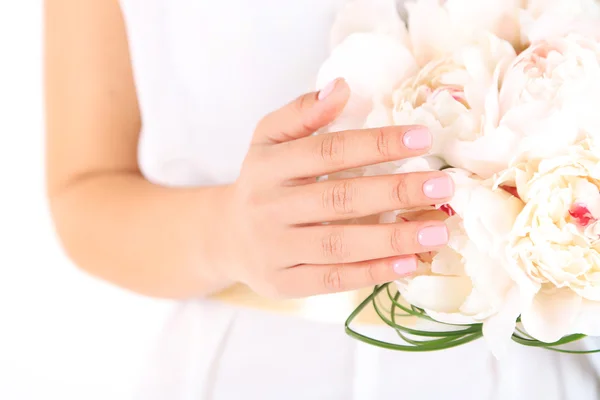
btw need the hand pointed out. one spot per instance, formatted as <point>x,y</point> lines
<point>280,246</point>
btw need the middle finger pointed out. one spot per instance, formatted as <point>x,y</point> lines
<point>329,244</point>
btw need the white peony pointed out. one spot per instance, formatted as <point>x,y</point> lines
<point>439,27</point>
<point>370,50</point>
<point>537,103</point>
<point>466,282</point>
<point>550,19</point>
<point>555,242</point>
<point>450,97</point>
<point>369,16</point>
<point>373,65</point>
<point>550,73</point>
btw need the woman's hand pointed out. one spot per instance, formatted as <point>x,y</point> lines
<point>176,242</point>
<point>279,244</point>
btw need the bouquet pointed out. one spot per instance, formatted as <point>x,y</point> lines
<point>510,90</point>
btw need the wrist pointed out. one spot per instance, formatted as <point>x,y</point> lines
<point>221,236</point>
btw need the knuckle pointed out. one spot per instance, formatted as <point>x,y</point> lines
<point>332,245</point>
<point>382,142</point>
<point>332,280</point>
<point>331,149</point>
<point>301,107</point>
<point>271,288</point>
<point>372,273</point>
<point>255,201</point>
<point>301,104</point>
<point>339,197</point>
<point>401,192</point>
<point>397,241</point>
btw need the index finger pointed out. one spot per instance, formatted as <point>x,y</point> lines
<point>339,151</point>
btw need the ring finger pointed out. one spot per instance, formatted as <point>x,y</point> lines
<point>329,244</point>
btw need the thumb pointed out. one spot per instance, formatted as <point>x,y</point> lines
<point>304,116</point>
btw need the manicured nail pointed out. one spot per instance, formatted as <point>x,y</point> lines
<point>405,266</point>
<point>417,139</point>
<point>433,236</point>
<point>439,188</point>
<point>327,90</point>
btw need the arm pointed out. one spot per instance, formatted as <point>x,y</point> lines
<point>112,222</point>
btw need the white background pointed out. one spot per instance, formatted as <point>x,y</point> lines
<point>63,335</point>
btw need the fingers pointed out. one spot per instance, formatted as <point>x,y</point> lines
<point>330,244</point>
<point>360,197</point>
<point>339,151</point>
<point>308,280</point>
<point>304,116</point>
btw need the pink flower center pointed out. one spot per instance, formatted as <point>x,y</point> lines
<point>581,215</point>
<point>457,94</point>
<point>535,62</point>
<point>511,189</point>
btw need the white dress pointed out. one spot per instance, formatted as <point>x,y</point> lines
<point>206,72</point>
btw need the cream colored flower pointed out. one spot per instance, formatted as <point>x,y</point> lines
<point>369,16</point>
<point>440,27</point>
<point>544,98</point>
<point>555,242</point>
<point>548,75</point>
<point>373,64</point>
<point>466,282</point>
<point>450,96</point>
<point>550,19</point>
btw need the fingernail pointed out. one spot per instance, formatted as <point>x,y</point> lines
<point>327,90</point>
<point>439,188</point>
<point>417,139</point>
<point>405,266</point>
<point>433,236</point>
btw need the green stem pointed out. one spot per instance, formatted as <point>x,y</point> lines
<point>439,340</point>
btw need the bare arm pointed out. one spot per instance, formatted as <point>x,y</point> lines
<point>112,222</point>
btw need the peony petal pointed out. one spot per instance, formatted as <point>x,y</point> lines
<point>418,164</point>
<point>500,17</point>
<point>440,294</point>
<point>548,19</point>
<point>588,319</point>
<point>551,314</point>
<point>486,156</point>
<point>430,30</point>
<point>549,136</point>
<point>380,115</point>
<point>369,16</point>
<point>437,28</point>
<point>489,229</point>
<point>447,262</point>
<point>372,64</point>
<point>498,329</point>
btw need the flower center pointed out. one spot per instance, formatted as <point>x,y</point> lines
<point>457,94</point>
<point>581,214</point>
<point>512,190</point>
<point>536,62</point>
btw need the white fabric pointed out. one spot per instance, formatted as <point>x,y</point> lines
<point>206,72</point>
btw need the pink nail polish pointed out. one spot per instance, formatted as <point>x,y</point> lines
<point>439,188</point>
<point>405,266</point>
<point>417,139</point>
<point>327,90</point>
<point>433,236</point>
